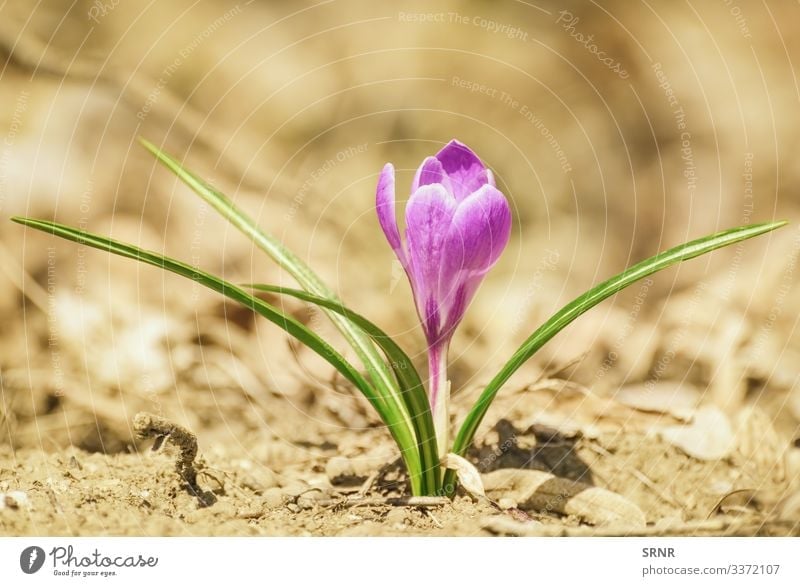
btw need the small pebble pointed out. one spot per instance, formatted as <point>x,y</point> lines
<point>249,513</point>
<point>295,488</point>
<point>310,499</point>
<point>396,516</point>
<point>266,477</point>
<point>223,508</point>
<point>339,469</point>
<point>273,498</point>
<point>16,499</point>
<point>244,464</point>
<point>306,502</point>
<point>258,480</point>
<point>507,503</point>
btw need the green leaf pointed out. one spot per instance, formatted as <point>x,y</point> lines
<point>563,317</point>
<point>394,419</point>
<point>412,389</point>
<point>377,370</point>
<point>280,254</point>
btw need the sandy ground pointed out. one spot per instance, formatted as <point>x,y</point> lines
<point>349,483</point>
<point>77,493</point>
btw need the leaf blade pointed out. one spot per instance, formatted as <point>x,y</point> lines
<point>411,387</point>
<point>583,303</point>
<point>361,344</point>
<point>393,419</point>
<point>281,255</point>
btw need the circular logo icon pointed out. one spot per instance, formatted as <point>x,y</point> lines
<point>31,559</point>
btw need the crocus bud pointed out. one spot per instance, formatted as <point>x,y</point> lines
<point>457,225</point>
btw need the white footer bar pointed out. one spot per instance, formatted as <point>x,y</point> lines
<point>401,561</point>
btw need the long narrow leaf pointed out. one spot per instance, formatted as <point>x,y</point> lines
<point>412,389</point>
<point>366,351</point>
<point>583,303</point>
<point>286,259</point>
<point>393,418</point>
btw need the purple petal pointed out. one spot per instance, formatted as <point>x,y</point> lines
<point>429,172</point>
<point>477,236</point>
<point>387,216</point>
<point>466,171</point>
<point>431,320</point>
<point>428,216</point>
<point>457,301</point>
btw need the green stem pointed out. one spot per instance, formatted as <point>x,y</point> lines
<point>439,394</point>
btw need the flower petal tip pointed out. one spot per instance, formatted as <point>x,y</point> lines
<point>385,207</point>
<point>464,169</point>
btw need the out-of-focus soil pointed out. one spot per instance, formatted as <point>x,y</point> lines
<point>314,481</point>
<point>77,493</point>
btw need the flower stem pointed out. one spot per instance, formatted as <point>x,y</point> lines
<point>439,394</point>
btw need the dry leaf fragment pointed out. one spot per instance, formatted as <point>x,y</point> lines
<point>16,499</point>
<point>468,475</point>
<point>789,507</point>
<point>672,398</point>
<point>759,444</point>
<point>708,437</point>
<point>544,492</point>
<point>794,402</point>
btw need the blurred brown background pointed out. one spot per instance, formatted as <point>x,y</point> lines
<point>616,129</point>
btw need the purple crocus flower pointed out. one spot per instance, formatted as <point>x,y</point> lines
<point>457,225</point>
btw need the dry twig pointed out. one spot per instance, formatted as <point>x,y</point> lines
<point>148,425</point>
